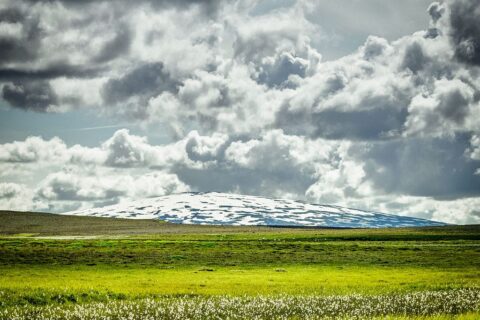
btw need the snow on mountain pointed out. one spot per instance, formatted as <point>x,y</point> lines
<point>214,208</point>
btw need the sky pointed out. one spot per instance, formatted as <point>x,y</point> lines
<point>370,104</point>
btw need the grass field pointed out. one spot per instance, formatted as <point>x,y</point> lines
<point>60,267</point>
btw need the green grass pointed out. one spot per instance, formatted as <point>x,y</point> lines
<point>49,260</point>
<point>134,282</point>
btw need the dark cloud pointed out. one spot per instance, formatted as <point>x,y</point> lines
<point>414,58</point>
<point>359,125</point>
<point>436,11</point>
<point>374,124</point>
<point>54,70</point>
<point>428,167</point>
<point>11,15</point>
<point>209,7</point>
<point>276,73</point>
<point>145,81</point>
<point>245,181</point>
<point>117,46</point>
<point>29,95</point>
<point>22,46</point>
<point>432,33</point>
<point>465,30</point>
<point>454,106</point>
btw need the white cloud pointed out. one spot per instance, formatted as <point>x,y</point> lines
<point>107,186</point>
<point>475,147</point>
<point>33,149</point>
<point>15,196</point>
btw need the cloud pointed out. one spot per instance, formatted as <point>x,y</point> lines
<point>383,90</point>
<point>132,91</point>
<point>356,97</point>
<point>20,35</point>
<point>275,165</point>
<point>72,186</point>
<point>33,149</point>
<point>117,46</point>
<point>124,150</point>
<point>205,149</point>
<point>145,80</point>
<point>428,167</point>
<point>414,57</point>
<point>436,11</point>
<point>9,190</point>
<point>375,47</point>
<point>156,184</point>
<point>15,196</point>
<point>465,31</point>
<point>475,147</point>
<point>443,111</point>
<point>37,96</point>
<point>277,70</point>
<point>57,69</point>
<point>67,186</point>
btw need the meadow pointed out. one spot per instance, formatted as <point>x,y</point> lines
<point>60,267</point>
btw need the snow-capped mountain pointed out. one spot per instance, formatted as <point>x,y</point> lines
<point>216,208</point>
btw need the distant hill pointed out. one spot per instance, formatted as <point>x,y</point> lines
<point>214,208</point>
<point>48,224</point>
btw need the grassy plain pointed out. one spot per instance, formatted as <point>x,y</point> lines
<point>49,260</point>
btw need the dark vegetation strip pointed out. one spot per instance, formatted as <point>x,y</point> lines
<point>231,253</point>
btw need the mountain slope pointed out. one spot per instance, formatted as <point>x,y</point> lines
<point>229,209</point>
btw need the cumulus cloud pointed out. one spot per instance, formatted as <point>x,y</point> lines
<point>15,196</point>
<point>33,149</point>
<point>205,149</point>
<point>71,186</point>
<point>475,147</point>
<point>276,71</point>
<point>9,190</point>
<point>65,186</point>
<point>124,150</point>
